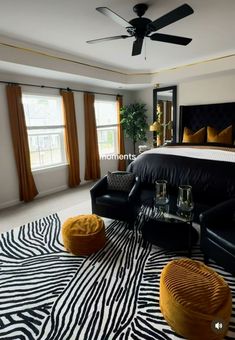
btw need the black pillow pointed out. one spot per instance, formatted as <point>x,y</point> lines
<point>120,181</point>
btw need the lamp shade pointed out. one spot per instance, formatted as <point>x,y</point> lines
<point>155,127</point>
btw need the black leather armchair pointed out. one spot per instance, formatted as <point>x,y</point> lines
<point>218,234</point>
<point>118,205</point>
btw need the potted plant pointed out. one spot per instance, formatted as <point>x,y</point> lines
<point>134,122</point>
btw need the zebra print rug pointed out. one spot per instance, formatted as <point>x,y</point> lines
<point>49,294</point>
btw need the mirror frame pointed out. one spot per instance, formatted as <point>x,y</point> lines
<point>174,104</point>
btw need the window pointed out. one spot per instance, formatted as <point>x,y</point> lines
<point>107,124</point>
<point>45,127</point>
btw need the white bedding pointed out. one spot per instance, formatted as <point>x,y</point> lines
<point>212,153</point>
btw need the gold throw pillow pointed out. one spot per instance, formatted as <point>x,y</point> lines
<point>194,137</point>
<point>224,136</point>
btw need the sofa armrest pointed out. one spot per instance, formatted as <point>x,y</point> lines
<point>221,212</point>
<point>99,187</point>
<point>134,194</point>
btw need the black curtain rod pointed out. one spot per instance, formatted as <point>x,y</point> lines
<point>57,88</point>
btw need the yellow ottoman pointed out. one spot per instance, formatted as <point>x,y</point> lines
<point>84,234</point>
<point>192,296</point>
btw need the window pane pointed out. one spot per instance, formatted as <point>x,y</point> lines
<point>42,110</point>
<point>46,147</point>
<point>107,140</point>
<point>105,112</point>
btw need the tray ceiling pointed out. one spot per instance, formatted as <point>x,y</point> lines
<point>64,26</point>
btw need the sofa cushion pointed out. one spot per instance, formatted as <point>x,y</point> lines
<point>113,198</point>
<point>223,235</point>
<point>121,181</point>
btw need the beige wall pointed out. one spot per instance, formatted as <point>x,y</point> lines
<point>145,96</point>
<point>213,89</point>
<point>8,175</point>
<point>48,180</point>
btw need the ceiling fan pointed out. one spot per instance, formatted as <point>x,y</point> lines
<point>141,27</point>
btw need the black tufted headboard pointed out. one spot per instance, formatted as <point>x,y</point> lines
<point>218,116</point>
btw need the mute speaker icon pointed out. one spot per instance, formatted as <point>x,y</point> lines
<point>218,325</point>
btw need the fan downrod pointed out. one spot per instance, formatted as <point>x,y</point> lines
<point>140,9</point>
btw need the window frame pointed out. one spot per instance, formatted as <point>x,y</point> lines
<point>102,100</point>
<point>64,162</point>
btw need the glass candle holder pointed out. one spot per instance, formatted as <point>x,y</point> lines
<point>185,198</point>
<point>161,192</point>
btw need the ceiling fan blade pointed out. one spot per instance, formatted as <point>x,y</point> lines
<point>172,39</point>
<point>137,46</point>
<point>173,16</point>
<point>115,17</point>
<point>116,37</point>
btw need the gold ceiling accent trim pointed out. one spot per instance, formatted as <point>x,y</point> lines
<point>184,66</point>
<point>26,49</point>
<point>195,63</point>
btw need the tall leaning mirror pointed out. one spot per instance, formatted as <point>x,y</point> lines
<point>164,115</point>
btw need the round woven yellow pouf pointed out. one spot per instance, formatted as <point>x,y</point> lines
<point>192,297</point>
<point>84,234</point>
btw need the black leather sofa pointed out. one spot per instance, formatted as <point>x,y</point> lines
<point>118,205</point>
<point>218,234</point>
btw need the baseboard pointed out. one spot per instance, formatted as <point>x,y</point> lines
<point>41,194</point>
<point>9,204</point>
<point>57,189</point>
<point>51,191</point>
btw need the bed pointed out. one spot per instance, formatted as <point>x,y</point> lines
<point>209,168</point>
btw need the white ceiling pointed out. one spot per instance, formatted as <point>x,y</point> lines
<point>65,26</point>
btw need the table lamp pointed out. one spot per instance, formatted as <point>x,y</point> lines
<point>155,127</point>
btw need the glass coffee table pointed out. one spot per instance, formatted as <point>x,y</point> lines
<point>167,227</point>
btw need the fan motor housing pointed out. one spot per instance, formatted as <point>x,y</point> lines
<point>141,26</point>
<point>140,9</point>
